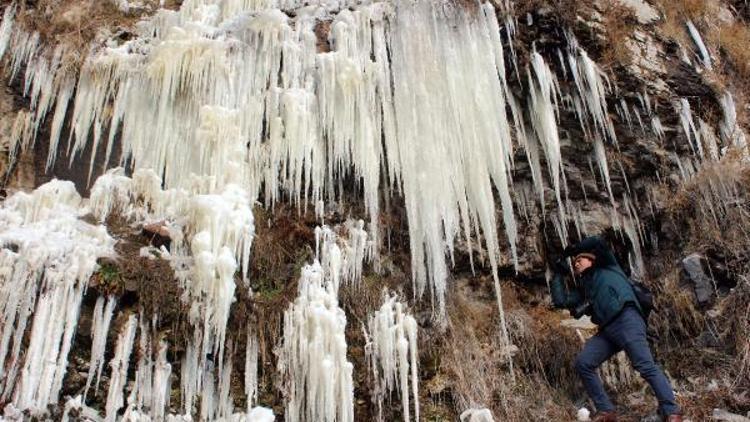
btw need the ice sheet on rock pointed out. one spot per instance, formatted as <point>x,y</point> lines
<point>211,227</point>
<point>392,353</point>
<point>313,362</point>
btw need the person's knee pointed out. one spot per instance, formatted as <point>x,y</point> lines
<point>640,357</point>
<point>583,365</point>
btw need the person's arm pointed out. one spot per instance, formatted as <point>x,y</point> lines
<point>597,246</point>
<point>561,298</point>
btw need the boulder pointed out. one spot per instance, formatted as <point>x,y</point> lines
<point>694,274</point>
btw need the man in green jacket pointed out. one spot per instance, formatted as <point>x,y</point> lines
<point>608,297</point>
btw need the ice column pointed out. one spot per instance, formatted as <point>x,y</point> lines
<point>317,375</point>
<point>392,354</point>
<point>449,155</point>
<point>543,91</point>
<point>99,329</point>
<point>119,364</point>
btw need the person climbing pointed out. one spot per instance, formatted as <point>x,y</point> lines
<point>605,293</point>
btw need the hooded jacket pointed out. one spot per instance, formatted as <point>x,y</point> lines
<point>604,285</point>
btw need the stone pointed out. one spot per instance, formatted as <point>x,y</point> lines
<point>702,285</point>
<point>723,415</point>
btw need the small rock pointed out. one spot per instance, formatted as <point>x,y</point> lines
<point>702,284</point>
<point>723,415</point>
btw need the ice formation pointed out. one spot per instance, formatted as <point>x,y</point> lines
<point>317,374</point>
<point>119,368</point>
<point>211,225</point>
<point>99,329</point>
<point>731,132</point>
<point>544,90</point>
<point>46,260</point>
<point>698,40</point>
<point>392,353</point>
<point>592,86</point>
<point>688,127</point>
<point>193,87</point>
<point>251,368</point>
<point>342,258</point>
<point>221,103</point>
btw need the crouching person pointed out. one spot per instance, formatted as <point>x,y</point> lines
<point>606,294</point>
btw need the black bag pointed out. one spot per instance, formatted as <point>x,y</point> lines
<point>644,296</point>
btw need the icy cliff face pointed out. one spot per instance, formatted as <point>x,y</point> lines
<point>207,109</point>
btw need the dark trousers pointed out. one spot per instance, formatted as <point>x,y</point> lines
<point>626,332</point>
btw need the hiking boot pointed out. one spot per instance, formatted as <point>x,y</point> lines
<point>673,418</point>
<point>604,417</point>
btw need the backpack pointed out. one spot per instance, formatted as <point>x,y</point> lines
<point>644,296</point>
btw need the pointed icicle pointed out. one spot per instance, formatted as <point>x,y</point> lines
<point>119,364</point>
<point>99,329</point>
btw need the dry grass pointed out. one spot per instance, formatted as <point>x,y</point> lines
<point>475,371</point>
<point>76,23</point>
<point>677,12</point>
<point>619,24</point>
<point>710,214</point>
<point>734,41</point>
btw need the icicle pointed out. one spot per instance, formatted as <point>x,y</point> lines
<point>688,127</point>
<point>251,369</point>
<point>99,329</point>
<point>601,160</point>
<point>224,397</point>
<point>543,91</point>
<point>392,353</point>
<point>6,28</point>
<point>657,127</point>
<point>313,355</point>
<point>590,82</point>
<point>699,43</point>
<point>626,113</point>
<point>161,387</point>
<point>119,365</point>
<point>709,139</point>
<point>731,132</point>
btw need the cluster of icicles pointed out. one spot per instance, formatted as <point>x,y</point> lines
<point>231,99</point>
<point>49,254</point>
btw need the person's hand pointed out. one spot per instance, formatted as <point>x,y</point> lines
<point>561,266</point>
<point>570,250</point>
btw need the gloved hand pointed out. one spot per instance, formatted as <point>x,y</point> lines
<point>561,266</point>
<point>570,250</point>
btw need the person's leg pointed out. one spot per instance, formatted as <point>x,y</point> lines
<point>628,331</point>
<point>596,350</point>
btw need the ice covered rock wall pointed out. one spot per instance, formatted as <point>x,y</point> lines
<point>219,104</point>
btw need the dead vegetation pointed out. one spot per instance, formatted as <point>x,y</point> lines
<point>710,215</point>
<point>78,23</point>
